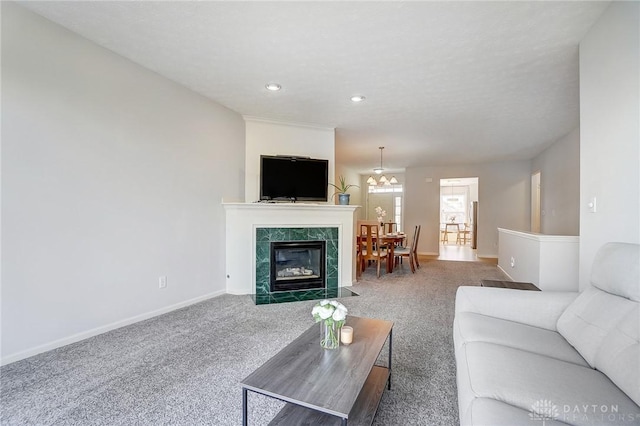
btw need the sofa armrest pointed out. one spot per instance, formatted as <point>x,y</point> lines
<point>537,308</point>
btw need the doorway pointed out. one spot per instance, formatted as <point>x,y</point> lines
<point>458,219</point>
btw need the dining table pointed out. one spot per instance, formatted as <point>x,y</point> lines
<point>455,226</point>
<point>390,240</point>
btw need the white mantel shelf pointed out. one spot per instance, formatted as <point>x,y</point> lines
<point>548,261</point>
<point>242,220</point>
<point>288,206</point>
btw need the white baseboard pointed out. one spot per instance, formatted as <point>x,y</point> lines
<point>487,256</point>
<point>103,329</point>
<point>505,272</point>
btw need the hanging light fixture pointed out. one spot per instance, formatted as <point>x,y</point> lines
<point>452,198</point>
<point>383,179</point>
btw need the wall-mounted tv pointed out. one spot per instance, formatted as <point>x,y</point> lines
<point>293,178</point>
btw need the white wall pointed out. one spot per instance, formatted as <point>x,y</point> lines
<point>504,201</point>
<point>559,167</point>
<point>265,137</point>
<point>111,177</point>
<point>610,132</point>
<point>352,178</point>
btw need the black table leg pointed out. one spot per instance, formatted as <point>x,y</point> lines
<point>344,422</point>
<point>244,406</point>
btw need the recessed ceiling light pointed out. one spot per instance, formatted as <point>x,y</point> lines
<point>357,98</point>
<point>274,87</point>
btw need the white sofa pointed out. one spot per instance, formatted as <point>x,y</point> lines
<point>551,358</point>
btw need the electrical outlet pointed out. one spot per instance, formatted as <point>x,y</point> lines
<point>513,262</point>
<point>162,282</point>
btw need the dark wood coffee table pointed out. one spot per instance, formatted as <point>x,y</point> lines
<point>326,387</point>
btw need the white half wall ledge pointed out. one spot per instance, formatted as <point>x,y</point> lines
<point>104,329</point>
<point>541,237</point>
<point>551,262</point>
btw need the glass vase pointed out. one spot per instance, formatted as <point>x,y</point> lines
<point>329,335</point>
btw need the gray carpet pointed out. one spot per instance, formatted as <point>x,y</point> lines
<point>184,367</point>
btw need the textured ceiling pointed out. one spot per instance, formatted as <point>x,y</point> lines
<point>445,82</point>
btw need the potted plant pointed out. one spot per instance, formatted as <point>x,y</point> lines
<point>341,191</point>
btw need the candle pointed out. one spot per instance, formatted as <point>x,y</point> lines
<point>346,335</point>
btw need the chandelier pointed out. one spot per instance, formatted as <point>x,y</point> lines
<point>383,179</point>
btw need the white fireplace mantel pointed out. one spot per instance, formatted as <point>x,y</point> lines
<point>242,220</point>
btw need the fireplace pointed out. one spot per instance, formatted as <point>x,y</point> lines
<point>297,265</point>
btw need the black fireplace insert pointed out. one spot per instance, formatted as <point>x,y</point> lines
<point>297,265</point>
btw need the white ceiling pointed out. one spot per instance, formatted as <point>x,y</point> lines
<point>445,82</point>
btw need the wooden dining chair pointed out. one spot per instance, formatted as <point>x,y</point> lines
<point>390,227</point>
<point>359,233</point>
<point>369,249</point>
<point>449,228</point>
<point>407,251</point>
<point>414,246</point>
<point>464,234</point>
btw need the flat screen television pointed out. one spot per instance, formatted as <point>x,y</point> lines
<point>293,178</point>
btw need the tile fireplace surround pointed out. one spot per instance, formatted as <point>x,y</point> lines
<point>251,226</point>
<point>264,237</point>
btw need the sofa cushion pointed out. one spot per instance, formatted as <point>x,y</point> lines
<point>475,327</point>
<point>616,270</point>
<point>619,355</point>
<point>588,320</point>
<point>489,412</point>
<point>537,308</point>
<point>533,382</point>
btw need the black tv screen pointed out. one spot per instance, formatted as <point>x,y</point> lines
<point>293,178</point>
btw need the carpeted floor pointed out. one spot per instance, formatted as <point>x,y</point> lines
<point>184,367</point>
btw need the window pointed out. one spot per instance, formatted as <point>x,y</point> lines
<point>397,212</point>
<point>375,189</point>
<point>454,208</point>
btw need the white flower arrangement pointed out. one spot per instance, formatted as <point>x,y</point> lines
<point>330,311</point>
<point>381,214</point>
<point>333,315</point>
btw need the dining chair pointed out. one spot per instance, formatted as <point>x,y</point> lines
<point>358,246</point>
<point>464,234</point>
<point>390,227</point>
<point>359,233</point>
<point>449,228</point>
<point>407,251</point>
<point>369,249</point>
<point>415,247</point>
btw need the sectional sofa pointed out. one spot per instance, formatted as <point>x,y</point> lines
<point>547,358</point>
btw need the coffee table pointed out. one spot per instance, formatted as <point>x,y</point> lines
<point>326,387</point>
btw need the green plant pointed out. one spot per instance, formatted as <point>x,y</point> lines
<point>342,188</point>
